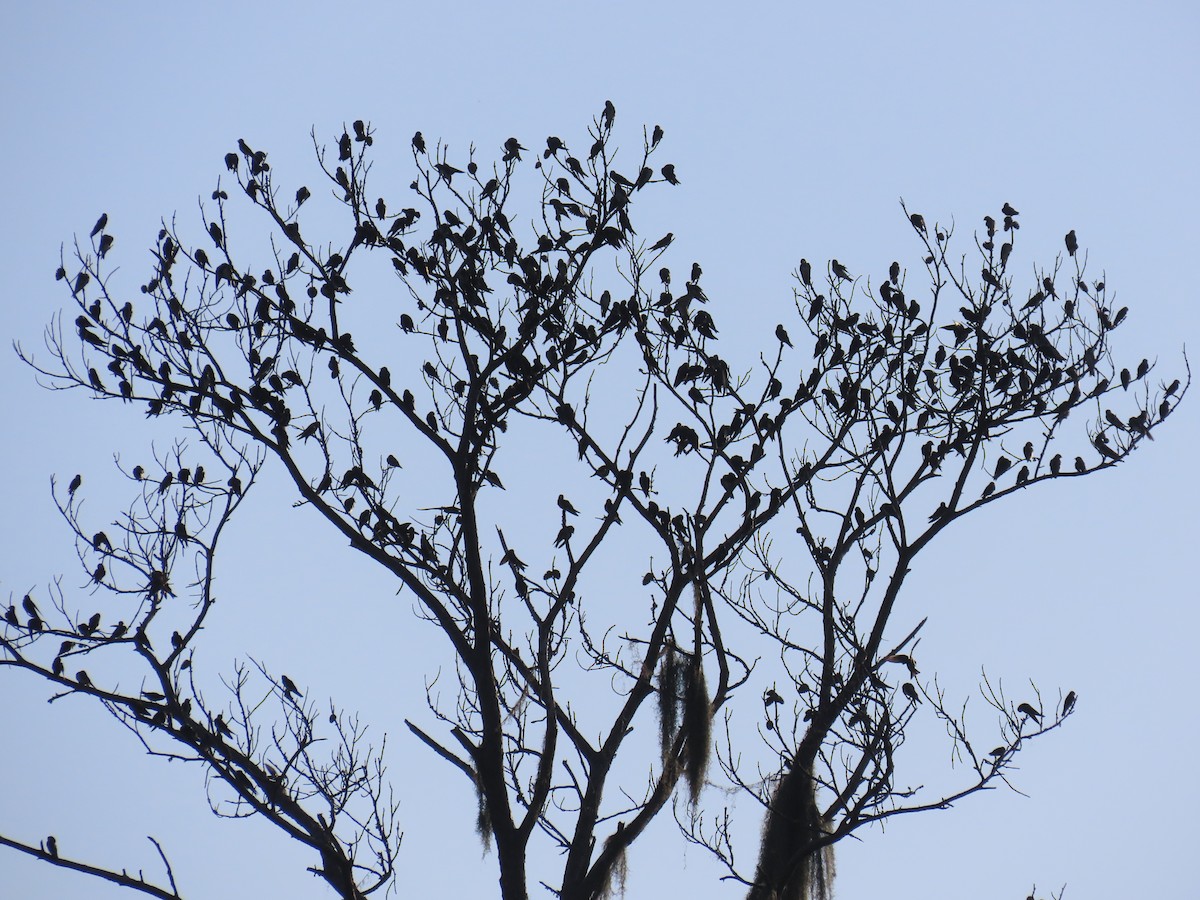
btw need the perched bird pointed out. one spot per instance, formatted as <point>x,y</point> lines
<point>52,846</point>
<point>82,677</point>
<point>1028,710</point>
<point>1056,464</point>
<point>1068,702</point>
<point>100,225</point>
<point>565,505</point>
<point>806,272</point>
<point>911,692</point>
<point>906,660</point>
<point>289,686</point>
<point>782,335</point>
<point>1027,450</point>
<point>418,142</point>
<point>1080,465</point>
<point>1100,442</point>
<point>1072,243</point>
<point>512,149</point>
<point>610,114</point>
<point>918,222</point>
<point>564,535</point>
<point>668,172</point>
<point>1008,210</point>
<point>29,606</point>
<point>771,697</point>
<point>839,270</point>
<point>75,483</point>
<point>663,243</point>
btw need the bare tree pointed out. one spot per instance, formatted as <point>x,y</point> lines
<point>767,509</point>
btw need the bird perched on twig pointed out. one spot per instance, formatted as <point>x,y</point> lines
<point>1027,710</point>
<point>289,687</point>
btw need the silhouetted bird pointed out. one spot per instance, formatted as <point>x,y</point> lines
<point>1100,442</point>
<point>289,686</point>
<point>663,243</point>
<point>10,616</point>
<point>839,270</point>
<point>29,606</point>
<point>1068,702</point>
<point>918,222</point>
<point>1056,464</point>
<point>771,697</point>
<point>1028,450</point>
<point>782,335</point>
<point>75,483</point>
<point>610,114</point>
<point>1008,210</point>
<point>564,535</point>
<point>1072,243</point>
<point>910,692</point>
<point>1080,465</point>
<point>1028,710</point>
<point>668,172</point>
<point>418,142</point>
<point>512,149</point>
<point>82,677</point>
<point>52,846</point>
<point>565,505</point>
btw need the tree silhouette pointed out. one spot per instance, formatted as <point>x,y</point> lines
<point>716,512</point>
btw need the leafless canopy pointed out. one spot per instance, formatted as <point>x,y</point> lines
<point>727,533</point>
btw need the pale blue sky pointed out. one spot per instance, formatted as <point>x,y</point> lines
<point>795,129</point>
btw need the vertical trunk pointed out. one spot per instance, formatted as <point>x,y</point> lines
<point>511,852</point>
<point>794,862</point>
